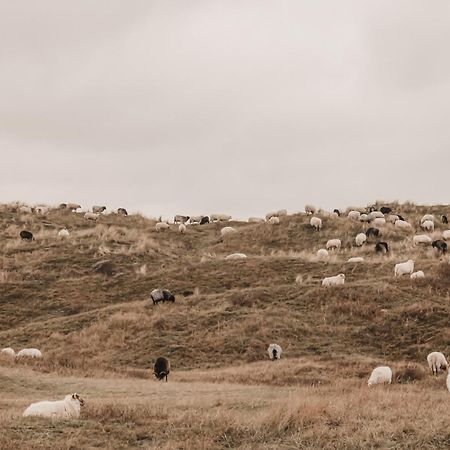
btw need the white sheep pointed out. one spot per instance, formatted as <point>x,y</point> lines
<point>334,281</point>
<point>360,239</point>
<point>446,235</point>
<point>334,243</point>
<point>392,218</point>
<point>428,225</point>
<point>8,351</point>
<point>161,226</point>
<point>416,275</point>
<point>274,352</point>
<point>316,223</point>
<point>220,218</point>
<point>69,408</point>
<point>379,221</point>
<point>73,206</point>
<point>227,231</point>
<point>436,361</point>
<point>29,353</point>
<point>256,220</point>
<point>421,239</point>
<point>363,218</point>
<point>274,220</point>
<point>322,254</point>
<point>195,220</point>
<point>182,228</point>
<point>63,233</point>
<point>380,375</point>
<point>376,215</point>
<point>405,268</point>
<point>427,217</point>
<point>236,256</point>
<point>355,259</point>
<point>98,209</point>
<point>91,216</point>
<point>355,215</point>
<point>310,209</point>
<point>402,225</point>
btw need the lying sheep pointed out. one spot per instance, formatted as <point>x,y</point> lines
<point>310,209</point>
<point>446,235</point>
<point>161,369</point>
<point>29,353</point>
<point>274,351</point>
<point>26,235</point>
<point>69,408</point>
<point>63,233</point>
<point>8,351</point>
<point>227,231</point>
<point>355,259</point>
<point>355,215</point>
<point>416,275</point>
<point>380,375</point>
<point>98,209</point>
<point>322,254</point>
<point>236,256</point>
<point>334,281</point>
<point>182,228</point>
<point>334,243</point>
<point>256,220</point>
<point>91,216</point>
<point>402,225</point>
<point>406,268</point>
<point>360,239</point>
<point>274,220</point>
<point>161,295</point>
<point>436,361</point>
<point>316,223</point>
<point>220,218</point>
<point>161,226</point>
<point>421,239</point>
<point>428,225</point>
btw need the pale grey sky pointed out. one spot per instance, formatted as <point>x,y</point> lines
<point>228,106</point>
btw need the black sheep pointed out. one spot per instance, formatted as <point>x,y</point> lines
<point>161,368</point>
<point>26,235</point>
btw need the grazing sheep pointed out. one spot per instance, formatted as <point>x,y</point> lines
<point>316,223</point>
<point>195,220</point>
<point>227,231</point>
<point>373,232</point>
<point>182,228</point>
<point>376,215</point>
<point>355,215</point>
<point>274,220</point>
<point>310,209</point>
<point>380,375</point>
<point>161,226</point>
<point>446,235</point>
<point>416,275</point>
<point>336,212</point>
<point>161,295</point>
<point>98,209</point>
<point>405,268</point>
<point>161,369</point>
<point>360,239</point>
<point>73,206</point>
<point>402,225</point>
<point>26,235</point>
<point>274,351</point>
<point>421,239</point>
<point>69,408</point>
<point>364,218</point>
<point>355,259</point>
<point>428,225</point>
<point>8,351</point>
<point>379,221</point>
<point>444,219</point>
<point>334,243</point>
<point>392,218</point>
<point>256,220</point>
<point>236,256</point>
<point>334,281</point>
<point>322,254</point>
<point>385,210</point>
<point>91,216</point>
<point>381,247</point>
<point>436,362</point>
<point>122,212</point>
<point>220,218</point>
<point>29,353</point>
<point>427,217</point>
<point>440,246</point>
<point>180,219</point>
<point>64,233</point>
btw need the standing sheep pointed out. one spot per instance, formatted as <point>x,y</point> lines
<point>421,239</point>
<point>316,223</point>
<point>402,225</point>
<point>310,209</point>
<point>161,295</point>
<point>355,215</point>
<point>98,209</point>
<point>446,235</point>
<point>161,226</point>
<point>91,216</point>
<point>428,225</point>
<point>381,247</point>
<point>182,228</point>
<point>274,351</point>
<point>73,206</point>
<point>161,369</point>
<point>360,239</point>
<point>440,246</point>
<point>274,220</point>
<point>334,243</point>
<point>29,353</point>
<point>337,280</point>
<point>380,375</point>
<point>122,212</point>
<point>69,408</point>
<point>220,217</point>
<point>322,254</point>
<point>436,361</point>
<point>427,217</point>
<point>180,219</point>
<point>406,268</point>
<point>416,275</point>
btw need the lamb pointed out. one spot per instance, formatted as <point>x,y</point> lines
<point>316,223</point>
<point>122,212</point>
<point>446,235</point>
<point>274,351</point>
<point>29,353</point>
<point>440,246</point>
<point>220,218</point>
<point>334,281</point>
<point>8,351</point>
<point>416,275</point>
<point>69,408</point>
<point>182,228</point>
<point>73,206</point>
<point>91,216</point>
<point>427,217</point>
<point>256,220</point>
<point>402,225</point>
<point>161,226</point>
<point>180,219</point>
<point>428,225</point>
<point>334,243</point>
<point>98,209</point>
<point>274,220</point>
<point>322,254</point>
<point>310,209</point>
<point>227,231</point>
<point>406,268</point>
<point>355,215</point>
<point>236,256</point>
<point>161,295</point>
<point>421,239</point>
<point>161,369</point>
<point>436,362</point>
<point>63,233</point>
<point>26,235</point>
<point>360,239</point>
<point>379,221</point>
<point>355,259</point>
<point>380,375</point>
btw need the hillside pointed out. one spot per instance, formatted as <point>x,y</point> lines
<point>226,312</point>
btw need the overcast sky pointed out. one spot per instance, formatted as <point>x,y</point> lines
<point>229,106</point>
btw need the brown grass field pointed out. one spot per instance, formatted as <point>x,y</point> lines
<point>100,335</point>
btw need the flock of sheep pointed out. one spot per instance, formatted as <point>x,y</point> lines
<point>70,406</point>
